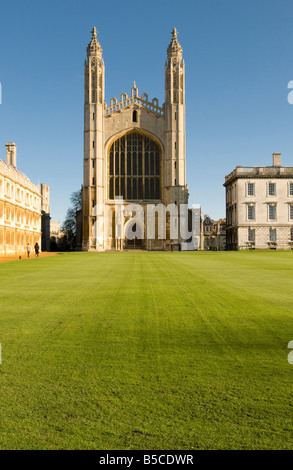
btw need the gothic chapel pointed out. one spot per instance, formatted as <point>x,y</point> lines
<point>134,150</point>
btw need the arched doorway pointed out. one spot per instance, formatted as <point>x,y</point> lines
<point>134,235</point>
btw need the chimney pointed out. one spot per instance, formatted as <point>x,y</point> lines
<point>11,154</point>
<point>276,159</point>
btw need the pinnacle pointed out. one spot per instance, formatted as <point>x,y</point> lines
<point>174,33</point>
<point>174,48</point>
<point>94,46</point>
<point>94,33</point>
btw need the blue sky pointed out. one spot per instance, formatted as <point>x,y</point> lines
<point>239,60</point>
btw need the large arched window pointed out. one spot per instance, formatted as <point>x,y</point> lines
<point>134,168</point>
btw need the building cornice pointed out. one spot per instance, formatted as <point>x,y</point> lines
<point>17,177</point>
<point>259,173</point>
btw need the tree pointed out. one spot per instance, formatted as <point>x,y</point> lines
<point>70,224</point>
<point>76,200</point>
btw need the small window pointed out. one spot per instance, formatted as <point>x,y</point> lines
<point>291,234</point>
<point>250,212</point>
<point>251,235</point>
<point>250,189</point>
<point>273,235</point>
<point>175,116</point>
<point>93,144</point>
<point>175,165</point>
<point>291,212</point>
<point>134,116</point>
<point>175,182</point>
<point>272,212</point>
<point>272,189</point>
<point>290,189</point>
<point>93,181</point>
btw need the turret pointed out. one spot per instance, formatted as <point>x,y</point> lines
<point>94,71</point>
<point>175,120</point>
<point>93,187</point>
<point>174,72</point>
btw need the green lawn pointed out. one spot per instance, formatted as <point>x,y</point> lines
<point>147,351</point>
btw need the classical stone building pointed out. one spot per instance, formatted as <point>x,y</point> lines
<point>259,207</point>
<point>20,208</point>
<point>134,151</point>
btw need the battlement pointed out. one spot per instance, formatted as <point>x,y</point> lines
<point>127,101</point>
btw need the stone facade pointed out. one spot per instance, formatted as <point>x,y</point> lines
<point>20,208</point>
<point>134,149</point>
<point>213,234</point>
<point>56,235</point>
<point>55,229</point>
<point>259,207</point>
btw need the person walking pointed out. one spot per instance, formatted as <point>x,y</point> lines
<point>37,250</point>
<point>28,250</point>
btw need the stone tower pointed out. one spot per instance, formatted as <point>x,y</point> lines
<point>93,188</point>
<point>134,149</point>
<point>175,122</point>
